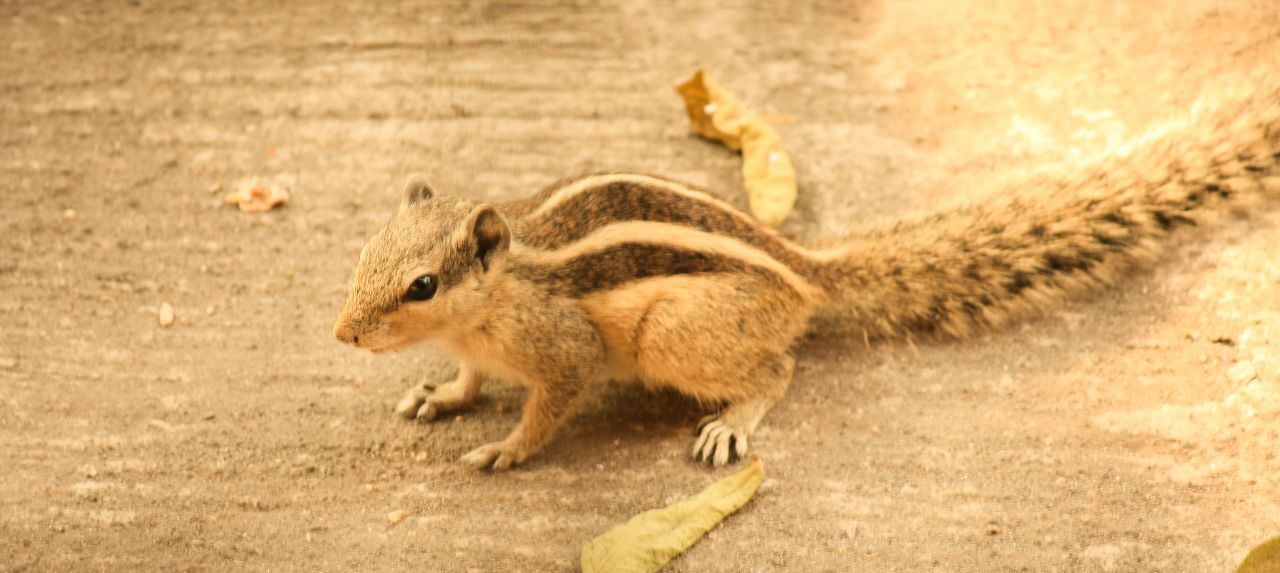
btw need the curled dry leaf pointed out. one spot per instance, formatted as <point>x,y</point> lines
<point>649,540</point>
<point>767,173</point>
<point>254,196</point>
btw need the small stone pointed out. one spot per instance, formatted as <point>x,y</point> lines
<point>1103,557</point>
<point>69,214</point>
<point>8,363</point>
<point>166,315</point>
<point>396,516</point>
<point>1242,373</point>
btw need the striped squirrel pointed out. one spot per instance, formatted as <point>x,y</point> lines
<point>633,277</point>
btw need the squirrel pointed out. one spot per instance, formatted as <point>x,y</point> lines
<point>636,277</point>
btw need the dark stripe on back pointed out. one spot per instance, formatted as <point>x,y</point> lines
<point>626,262</point>
<point>622,201</point>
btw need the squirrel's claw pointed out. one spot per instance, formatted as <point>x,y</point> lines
<point>719,443</point>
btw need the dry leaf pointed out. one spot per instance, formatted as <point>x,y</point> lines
<point>254,196</point>
<point>767,172</point>
<point>649,540</point>
<point>1264,558</point>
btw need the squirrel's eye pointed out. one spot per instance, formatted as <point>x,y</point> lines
<point>422,288</point>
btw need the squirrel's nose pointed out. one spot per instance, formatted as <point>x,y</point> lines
<point>343,332</point>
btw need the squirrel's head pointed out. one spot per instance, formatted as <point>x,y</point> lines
<point>427,274</point>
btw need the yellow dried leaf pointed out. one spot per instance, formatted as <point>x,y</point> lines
<point>767,171</point>
<point>1264,558</point>
<point>649,540</point>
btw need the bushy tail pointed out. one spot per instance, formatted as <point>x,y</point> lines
<point>1055,236</point>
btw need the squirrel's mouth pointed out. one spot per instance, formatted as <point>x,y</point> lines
<point>386,348</point>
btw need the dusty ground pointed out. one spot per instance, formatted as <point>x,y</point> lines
<point>1107,436</point>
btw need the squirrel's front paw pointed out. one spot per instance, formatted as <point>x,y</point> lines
<point>496,456</point>
<point>426,401</point>
<point>414,399</point>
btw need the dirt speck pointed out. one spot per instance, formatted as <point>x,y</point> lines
<point>165,315</point>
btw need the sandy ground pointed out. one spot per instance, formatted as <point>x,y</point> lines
<point>1114,435</point>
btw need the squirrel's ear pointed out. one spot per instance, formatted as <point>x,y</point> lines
<point>415,189</point>
<point>486,235</point>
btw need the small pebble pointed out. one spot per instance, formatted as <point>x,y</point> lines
<point>1242,372</point>
<point>8,363</point>
<point>166,315</point>
<point>69,214</point>
<point>396,516</point>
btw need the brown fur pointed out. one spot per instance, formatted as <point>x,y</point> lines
<point>635,277</point>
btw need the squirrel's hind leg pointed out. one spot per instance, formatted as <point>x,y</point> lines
<point>722,339</point>
<point>722,437</point>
